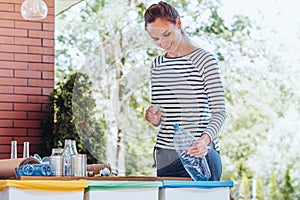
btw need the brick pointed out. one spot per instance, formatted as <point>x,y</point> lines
<point>6,23</point>
<point>41,34</point>
<point>48,75</point>
<point>6,90</point>
<point>48,59</point>
<point>4,155</point>
<point>50,3</point>
<point>51,11</point>
<point>13,32</point>
<point>13,131</point>
<point>17,16</point>
<point>47,91</point>
<point>34,132</point>
<point>6,7</point>
<point>36,115</point>
<point>13,81</point>
<point>12,115</point>
<point>28,74</point>
<point>13,48</point>
<point>13,98</point>
<point>48,26</point>
<point>41,50</point>
<point>27,107</point>
<point>32,141</point>
<point>5,140</point>
<point>12,1</point>
<point>6,73</point>
<point>28,57</point>
<point>41,83</point>
<point>6,56</point>
<point>6,40</point>
<point>48,43</point>
<point>27,123</point>
<point>28,25</point>
<point>28,90</point>
<point>6,15</point>
<point>28,41</point>
<point>37,99</point>
<point>4,149</point>
<point>6,106</point>
<point>6,123</point>
<point>41,66</point>
<point>13,65</point>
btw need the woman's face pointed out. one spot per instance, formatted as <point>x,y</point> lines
<point>165,34</point>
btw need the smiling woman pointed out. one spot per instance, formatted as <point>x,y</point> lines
<point>187,89</point>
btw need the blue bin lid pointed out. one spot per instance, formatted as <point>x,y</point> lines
<point>196,184</point>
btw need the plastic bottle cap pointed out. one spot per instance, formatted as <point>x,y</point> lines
<point>176,127</point>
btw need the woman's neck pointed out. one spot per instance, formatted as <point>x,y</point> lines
<point>186,46</point>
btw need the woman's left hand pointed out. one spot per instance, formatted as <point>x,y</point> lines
<point>200,149</point>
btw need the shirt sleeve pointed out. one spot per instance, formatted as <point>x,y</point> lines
<point>215,92</point>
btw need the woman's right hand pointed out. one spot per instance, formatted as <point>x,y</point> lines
<point>153,116</point>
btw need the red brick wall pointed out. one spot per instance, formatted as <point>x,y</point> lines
<point>26,75</point>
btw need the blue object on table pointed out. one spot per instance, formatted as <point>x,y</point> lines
<point>34,170</point>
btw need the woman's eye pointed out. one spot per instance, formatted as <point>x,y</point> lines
<point>167,34</point>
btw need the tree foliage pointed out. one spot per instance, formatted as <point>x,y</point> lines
<point>71,116</point>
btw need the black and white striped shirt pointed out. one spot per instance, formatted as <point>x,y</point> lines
<point>189,91</point>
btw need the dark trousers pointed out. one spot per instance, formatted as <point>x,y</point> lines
<point>169,165</point>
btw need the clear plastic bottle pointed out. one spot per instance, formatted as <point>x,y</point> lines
<point>66,157</point>
<point>197,168</point>
<point>74,148</point>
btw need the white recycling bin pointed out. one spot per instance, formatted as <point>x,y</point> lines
<point>42,189</point>
<point>195,190</point>
<point>125,190</point>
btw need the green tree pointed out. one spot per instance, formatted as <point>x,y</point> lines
<point>287,188</point>
<point>245,190</point>
<point>71,116</point>
<point>273,189</point>
<point>259,188</point>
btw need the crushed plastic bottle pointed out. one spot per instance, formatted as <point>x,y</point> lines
<point>197,168</point>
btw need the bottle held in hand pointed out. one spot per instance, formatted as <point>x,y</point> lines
<point>197,168</point>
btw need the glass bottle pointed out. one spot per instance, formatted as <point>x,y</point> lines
<point>66,157</point>
<point>74,148</point>
<point>26,150</point>
<point>13,153</point>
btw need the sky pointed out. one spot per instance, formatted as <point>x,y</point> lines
<point>280,16</point>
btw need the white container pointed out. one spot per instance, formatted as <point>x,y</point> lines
<point>195,190</point>
<point>41,190</point>
<point>125,190</point>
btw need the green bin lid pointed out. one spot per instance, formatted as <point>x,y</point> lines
<point>110,185</point>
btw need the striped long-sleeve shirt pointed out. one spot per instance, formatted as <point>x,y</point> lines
<point>189,91</point>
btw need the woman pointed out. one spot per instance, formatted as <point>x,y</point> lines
<point>186,88</point>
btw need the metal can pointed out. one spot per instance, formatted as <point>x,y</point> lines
<point>56,162</point>
<point>78,166</point>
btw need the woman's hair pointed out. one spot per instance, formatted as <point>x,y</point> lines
<point>160,10</point>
